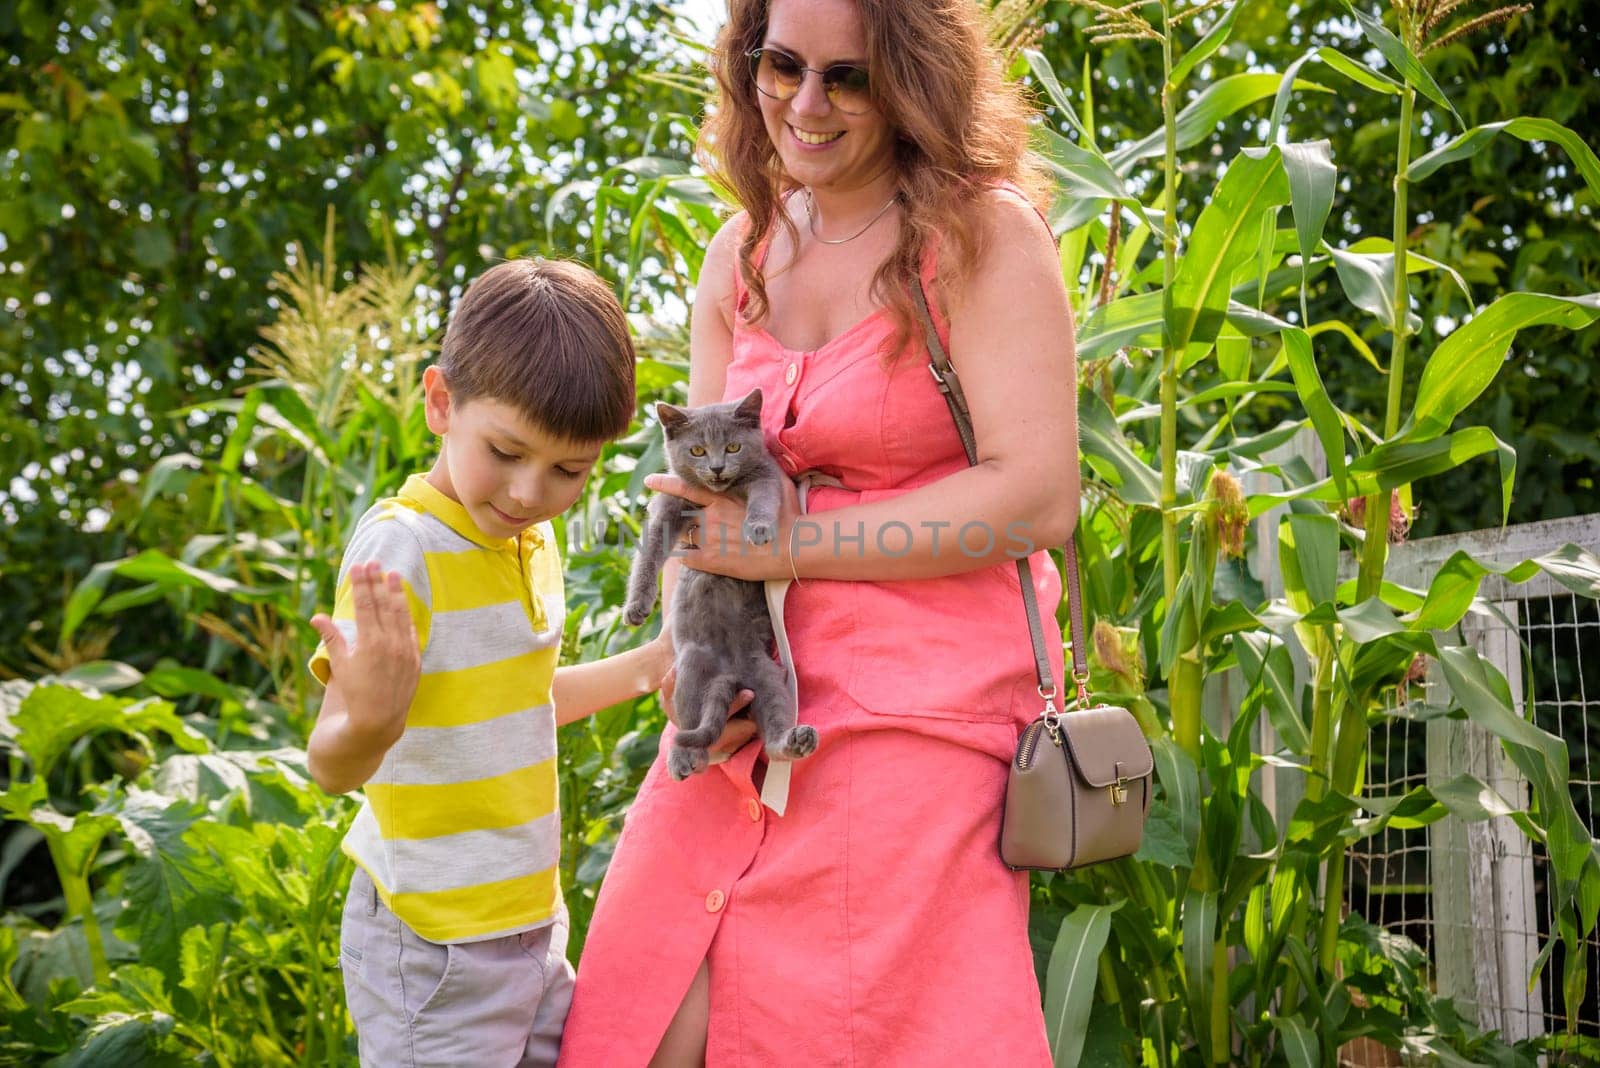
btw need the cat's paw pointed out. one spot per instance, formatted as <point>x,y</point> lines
<point>759,531</point>
<point>799,743</point>
<point>635,613</point>
<point>684,761</point>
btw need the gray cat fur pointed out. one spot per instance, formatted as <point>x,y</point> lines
<point>721,632</point>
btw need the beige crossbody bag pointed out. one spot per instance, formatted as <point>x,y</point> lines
<point>1080,782</point>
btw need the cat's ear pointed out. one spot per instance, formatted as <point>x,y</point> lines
<point>673,418</point>
<point>749,410</point>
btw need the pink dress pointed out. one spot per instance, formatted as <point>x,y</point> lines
<point>873,924</point>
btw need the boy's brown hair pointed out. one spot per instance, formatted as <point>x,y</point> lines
<point>549,338</point>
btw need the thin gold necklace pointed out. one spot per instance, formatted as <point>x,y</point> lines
<point>811,221</point>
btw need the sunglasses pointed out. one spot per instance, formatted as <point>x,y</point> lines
<point>780,75</point>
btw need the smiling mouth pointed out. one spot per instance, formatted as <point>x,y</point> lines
<point>806,137</point>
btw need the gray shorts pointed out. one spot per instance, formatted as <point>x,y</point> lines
<point>418,1004</point>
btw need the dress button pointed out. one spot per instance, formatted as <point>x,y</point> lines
<point>791,374</point>
<point>753,807</point>
<point>715,900</point>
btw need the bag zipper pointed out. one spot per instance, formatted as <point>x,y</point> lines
<point>1030,741</point>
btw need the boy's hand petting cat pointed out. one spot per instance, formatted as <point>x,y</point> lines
<point>378,674</point>
<point>726,541</point>
<point>735,734</point>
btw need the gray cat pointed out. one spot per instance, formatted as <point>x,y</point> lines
<point>720,628</point>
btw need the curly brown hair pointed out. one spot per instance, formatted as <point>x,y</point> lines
<point>960,126</point>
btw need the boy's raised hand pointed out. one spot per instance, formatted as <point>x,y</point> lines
<point>377,677</point>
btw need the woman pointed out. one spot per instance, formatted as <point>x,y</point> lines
<point>874,145</point>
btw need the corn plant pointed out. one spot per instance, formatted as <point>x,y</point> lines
<point>329,421</point>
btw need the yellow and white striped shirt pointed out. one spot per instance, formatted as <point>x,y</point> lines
<point>460,828</point>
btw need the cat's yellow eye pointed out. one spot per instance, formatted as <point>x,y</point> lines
<point>734,447</point>
<point>697,450</point>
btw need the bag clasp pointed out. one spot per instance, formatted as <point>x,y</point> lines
<point>1119,789</point>
<point>1051,717</point>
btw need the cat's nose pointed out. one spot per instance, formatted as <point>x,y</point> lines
<point>716,469</point>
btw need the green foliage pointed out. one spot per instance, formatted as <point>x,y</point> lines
<point>157,160</point>
<point>1515,216</point>
<point>160,167</point>
<point>218,871</point>
<point>1250,949</point>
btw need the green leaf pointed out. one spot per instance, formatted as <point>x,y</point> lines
<point>1312,178</point>
<point>1358,72</point>
<point>1108,1038</point>
<point>1402,462</point>
<point>1105,450</point>
<point>1576,568</point>
<point>244,854</point>
<point>1450,593</point>
<point>170,474</point>
<point>1525,127</point>
<point>202,951</point>
<point>73,840</point>
<point>1199,943</point>
<point>1233,360</point>
<point>1299,1046</point>
<point>1265,662</point>
<point>1180,783</point>
<point>1227,618</point>
<point>172,886</point>
<point>1196,122</point>
<point>1225,237</point>
<point>1456,582</point>
<point>1335,59</point>
<point>1369,621</point>
<point>52,717</point>
<point>1058,95</point>
<point>1471,799</point>
<point>120,1039</point>
<point>1483,693</point>
<point>1285,892</point>
<point>103,675</point>
<point>1401,59</point>
<point>1206,47</point>
<point>85,596</point>
<point>1163,843</point>
<point>1464,364</point>
<point>1368,280</point>
<point>1135,321</point>
<point>1357,342</point>
<point>1325,417</point>
<point>1071,977</point>
<point>1309,552</point>
<point>1084,174</point>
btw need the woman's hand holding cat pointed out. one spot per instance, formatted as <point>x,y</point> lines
<point>730,542</point>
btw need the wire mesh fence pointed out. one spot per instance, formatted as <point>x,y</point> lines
<point>1474,895</point>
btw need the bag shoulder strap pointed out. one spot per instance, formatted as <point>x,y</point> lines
<point>944,374</point>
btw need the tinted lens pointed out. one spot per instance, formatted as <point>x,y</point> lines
<point>848,87</point>
<point>778,74</point>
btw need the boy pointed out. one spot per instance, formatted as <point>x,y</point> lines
<point>443,695</point>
